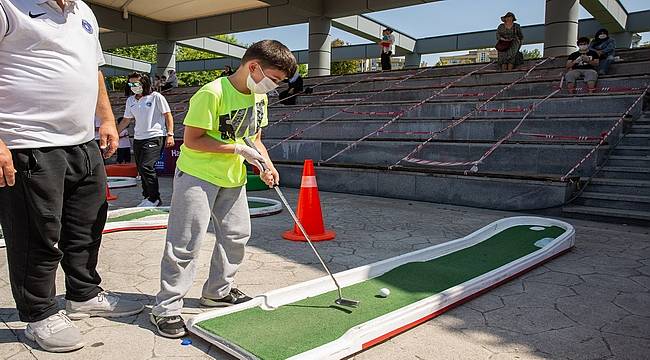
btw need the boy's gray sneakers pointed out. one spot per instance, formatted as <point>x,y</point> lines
<point>105,304</point>
<point>55,334</point>
<point>234,297</point>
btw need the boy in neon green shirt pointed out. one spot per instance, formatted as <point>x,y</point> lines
<point>210,180</point>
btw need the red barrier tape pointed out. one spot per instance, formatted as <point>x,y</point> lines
<point>491,150</point>
<point>604,138</point>
<point>297,133</point>
<point>396,117</point>
<point>469,114</point>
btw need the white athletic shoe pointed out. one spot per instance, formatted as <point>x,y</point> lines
<point>105,304</point>
<point>147,203</point>
<point>55,334</point>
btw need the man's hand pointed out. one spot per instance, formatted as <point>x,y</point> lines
<point>169,141</point>
<point>108,138</point>
<point>7,171</point>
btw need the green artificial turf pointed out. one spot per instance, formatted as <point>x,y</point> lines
<point>294,328</point>
<point>137,215</point>
<point>257,204</point>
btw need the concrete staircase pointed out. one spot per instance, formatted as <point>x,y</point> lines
<point>621,189</point>
<point>523,174</point>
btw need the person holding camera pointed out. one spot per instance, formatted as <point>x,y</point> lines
<point>582,64</point>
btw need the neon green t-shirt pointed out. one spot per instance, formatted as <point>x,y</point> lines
<point>228,116</point>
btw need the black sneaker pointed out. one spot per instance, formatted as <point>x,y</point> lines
<point>169,326</point>
<point>233,298</point>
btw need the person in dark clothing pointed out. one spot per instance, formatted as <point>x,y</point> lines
<point>227,71</point>
<point>387,44</point>
<point>582,63</point>
<point>605,47</point>
<point>288,96</point>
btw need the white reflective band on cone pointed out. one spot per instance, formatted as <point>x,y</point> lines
<point>308,182</point>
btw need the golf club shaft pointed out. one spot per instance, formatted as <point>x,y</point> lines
<point>304,233</point>
<point>295,219</point>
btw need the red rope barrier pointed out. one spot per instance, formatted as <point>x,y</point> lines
<point>396,117</point>
<point>469,114</point>
<point>604,138</point>
<point>301,131</point>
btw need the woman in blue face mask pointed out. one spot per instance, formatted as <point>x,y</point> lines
<point>604,46</point>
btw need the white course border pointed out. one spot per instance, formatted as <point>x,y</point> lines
<point>118,182</point>
<point>160,221</point>
<point>384,327</point>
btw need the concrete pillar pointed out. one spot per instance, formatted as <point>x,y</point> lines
<point>320,46</point>
<point>412,60</point>
<point>623,39</point>
<point>561,27</point>
<point>166,57</point>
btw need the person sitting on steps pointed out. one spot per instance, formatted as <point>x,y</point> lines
<point>582,64</point>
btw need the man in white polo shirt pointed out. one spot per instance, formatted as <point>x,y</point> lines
<point>52,179</point>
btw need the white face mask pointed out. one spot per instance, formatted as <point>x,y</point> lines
<point>264,86</point>
<point>137,90</point>
<point>602,36</point>
<point>583,47</point>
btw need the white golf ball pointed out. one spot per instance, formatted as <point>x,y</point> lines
<point>384,292</point>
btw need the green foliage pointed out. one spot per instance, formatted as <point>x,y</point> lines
<point>302,69</point>
<point>531,54</point>
<point>148,53</point>
<point>344,67</point>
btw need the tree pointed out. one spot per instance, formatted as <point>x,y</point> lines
<point>344,67</point>
<point>148,53</point>
<point>531,54</point>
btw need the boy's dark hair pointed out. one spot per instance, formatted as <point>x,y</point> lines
<point>583,40</point>
<point>144,80</point>
<point>272,53</point>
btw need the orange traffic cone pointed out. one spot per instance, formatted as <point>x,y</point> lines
<point>109,196</point>
<point>309,212</point>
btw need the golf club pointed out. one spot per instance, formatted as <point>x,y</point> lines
<point>341,300</point>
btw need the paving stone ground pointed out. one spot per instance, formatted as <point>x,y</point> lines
<point>592,303</point>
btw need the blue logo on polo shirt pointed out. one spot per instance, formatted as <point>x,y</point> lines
<point>86,25</point>
<point>149,104</point>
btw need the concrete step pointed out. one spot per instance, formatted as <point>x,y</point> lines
<point>504,193</point>
<point>632,150</point>
<point>529,159</point>
<point>436,76</point>
<point>620,186</point>
<point>636,140</point>
<point>348,128</point>
<point>614,201</point>
<point>625,172</point>
<point>446,108</point>
<point>639,129</point>
<point>413,89</point>
<point>634,161</point>
<point>592,212</point>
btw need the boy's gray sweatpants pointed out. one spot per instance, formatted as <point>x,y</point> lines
<point>194,204</point>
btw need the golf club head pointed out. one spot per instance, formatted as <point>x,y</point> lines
<point>347,302</point>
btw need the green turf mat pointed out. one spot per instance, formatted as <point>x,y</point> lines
<point>258,204</point>
<point>294,328</point>
<point>137,215</point>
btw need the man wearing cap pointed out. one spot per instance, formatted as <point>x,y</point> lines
<point>387,44</point>
<point>52,178</point>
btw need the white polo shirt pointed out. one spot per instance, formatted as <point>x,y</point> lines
<point>148,113</point>
<point>49,60</point>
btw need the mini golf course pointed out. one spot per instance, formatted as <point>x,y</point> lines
<point>119,182</point>
<point>156,217</point>
<point>303,322</point>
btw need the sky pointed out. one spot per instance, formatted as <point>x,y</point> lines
<point>434,19</point>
